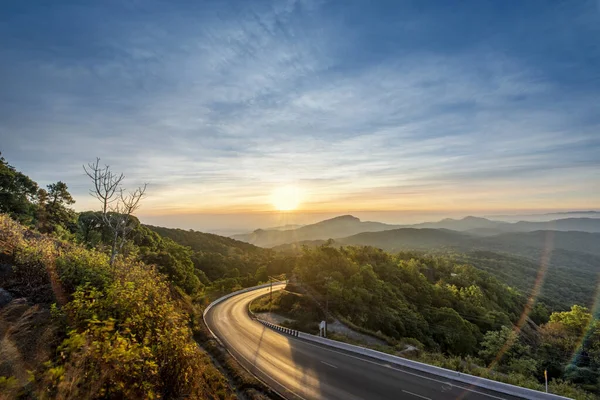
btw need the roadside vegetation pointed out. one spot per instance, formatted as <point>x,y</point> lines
<point>455,315</point>
<point>88,311</point>
<point>118,331</point>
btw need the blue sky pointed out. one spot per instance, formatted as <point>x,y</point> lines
<point>399,105</point>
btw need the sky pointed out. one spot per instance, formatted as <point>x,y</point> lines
<point>376,108</point>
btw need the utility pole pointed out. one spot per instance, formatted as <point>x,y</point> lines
<point>270,295</point>
<point>326,309</point>
<point>271,280</point>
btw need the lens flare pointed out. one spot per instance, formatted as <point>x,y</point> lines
<point>535,291</point>
<point>585,334</point>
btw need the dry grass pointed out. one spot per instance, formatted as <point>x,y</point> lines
<point>28,337</point>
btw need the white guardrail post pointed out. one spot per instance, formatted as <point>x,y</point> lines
<point>403,362</point>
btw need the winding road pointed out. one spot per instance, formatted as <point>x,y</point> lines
<point>298,369</point>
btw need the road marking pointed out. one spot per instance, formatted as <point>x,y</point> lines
<point>401,370</point>
<point>446,388</point>
<point>332,366</point>
<point>418,395</point>
<point>228,347</point>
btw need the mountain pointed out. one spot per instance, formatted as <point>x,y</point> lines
<point>486,227</point>
<point>284,227</point>
<point>545,216</point>
<point>529,244</point>
<point>464,224</point>
<point>409,239</point>
<point>590,212</point>
<point>344,225</point>
<point>521,242</point>
<point>348,225</point>
<point>565,224</point>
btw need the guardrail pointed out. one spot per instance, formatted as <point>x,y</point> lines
<point>279,328</point>
<point>433,370</point>
<point>473,380</point>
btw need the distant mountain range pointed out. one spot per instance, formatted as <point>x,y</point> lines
<point>545,216</point>
<point>530,244</point>
<point>346,226</point>
<point>284,227</point>
<point>590,212</point>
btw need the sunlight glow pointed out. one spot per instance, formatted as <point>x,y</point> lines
<point>286,198</point>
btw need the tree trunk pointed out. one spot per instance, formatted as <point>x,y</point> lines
<point>113,253</point>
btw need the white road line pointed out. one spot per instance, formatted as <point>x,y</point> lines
<point>369,361</point>
<point>228,347</point>
<point>332,366</point>
<point>417,395</point>
<point>401,370</point>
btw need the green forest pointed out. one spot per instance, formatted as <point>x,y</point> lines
<point>112,305</point>
<point>454,309</point>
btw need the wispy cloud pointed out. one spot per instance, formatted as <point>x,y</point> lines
<point>216,104</point>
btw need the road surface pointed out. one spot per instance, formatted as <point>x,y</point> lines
<point>298,369</point>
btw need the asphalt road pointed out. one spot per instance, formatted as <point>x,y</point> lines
<point>298,369</point>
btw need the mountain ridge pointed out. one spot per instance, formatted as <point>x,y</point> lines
<point>343,225</point>
<point>348,225</point>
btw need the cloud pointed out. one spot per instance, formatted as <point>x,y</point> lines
<point>217,104</point>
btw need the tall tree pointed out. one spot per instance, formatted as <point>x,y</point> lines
<point>17,193</point>
<point>41,215</point>
<point>502,347</point>
<point>53,208</point>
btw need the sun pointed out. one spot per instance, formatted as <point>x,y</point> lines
<point>286,198</point>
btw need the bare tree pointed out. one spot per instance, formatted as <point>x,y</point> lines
<point>118,205</point>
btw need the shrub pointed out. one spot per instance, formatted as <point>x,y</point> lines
<point>128,340</point>
<point>29,254</point>
<point>78,266</point>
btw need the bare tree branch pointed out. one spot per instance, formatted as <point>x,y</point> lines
<point>105,182</point>
<point>117,205</point>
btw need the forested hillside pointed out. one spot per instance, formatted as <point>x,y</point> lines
<point>565,279</point>
<point>226,261</point>
<point>549,241</point>
<point>401,295</point>
<point>568,261</point>
<point>453,308</point>
<point>207,242</point>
